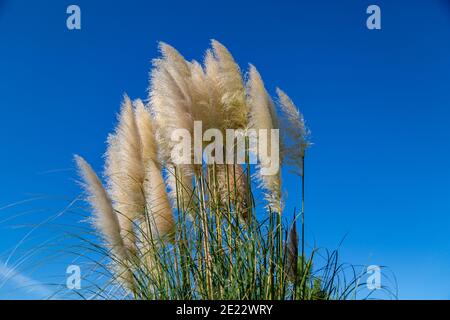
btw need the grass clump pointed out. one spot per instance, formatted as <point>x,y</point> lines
<point>193,230</point>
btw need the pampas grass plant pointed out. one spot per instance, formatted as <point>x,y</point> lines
<point>196,231</point>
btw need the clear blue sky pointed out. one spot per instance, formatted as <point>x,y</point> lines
<point>377,103</point>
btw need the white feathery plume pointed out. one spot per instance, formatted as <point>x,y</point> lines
<point>105,219</point>
<point>172,108</point>
<point>170,99</point>
<point>295,132</point>
<point>228,109</point>
<point>146,129</point>
<point>159,217</point>
<point>177,61</point>
<point>225,73</point>
<point>263,116</point>
<point>125,172</point>
<point>206,99</point>
<point>183,92</point>
<point>212,78</point>
<point>159,211</point>
<point>262,110</point>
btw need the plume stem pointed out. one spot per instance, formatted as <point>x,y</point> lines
<point>204,222</point>
<point>303,221</point>
<point>229,231</point>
